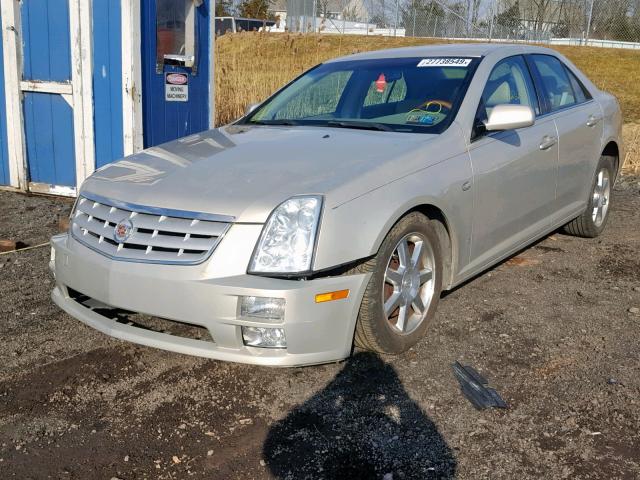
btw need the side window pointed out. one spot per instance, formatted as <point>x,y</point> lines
<point>509,83</point>
<point>582,94</point>
<point>555,78</point>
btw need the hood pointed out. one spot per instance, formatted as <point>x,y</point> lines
<point>246,171</point>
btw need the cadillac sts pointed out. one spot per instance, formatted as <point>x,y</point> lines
<point>332,215</point>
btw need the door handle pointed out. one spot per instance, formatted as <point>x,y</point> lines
<point>593,121</point>
<point>548,142</point>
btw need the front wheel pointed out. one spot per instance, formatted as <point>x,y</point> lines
<point>593,220</point>
<point>404,290</point>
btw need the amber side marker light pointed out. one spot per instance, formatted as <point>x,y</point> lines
<point>331,296</point>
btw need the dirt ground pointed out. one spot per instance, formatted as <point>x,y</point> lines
<point>551,329</point>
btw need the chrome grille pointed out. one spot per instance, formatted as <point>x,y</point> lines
<point>156,235</point>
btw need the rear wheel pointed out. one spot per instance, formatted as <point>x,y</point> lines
<point>404,290</point>
<point>593,220</point>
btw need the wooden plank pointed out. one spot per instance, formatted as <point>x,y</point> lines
<point>4,155</point>
<point>131,77</point>
<point>61,88</point>
<point>81,78</point>
<point>12,62</point>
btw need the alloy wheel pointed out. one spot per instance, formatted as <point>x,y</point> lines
<point>601,194</point>
<point>408,283</point>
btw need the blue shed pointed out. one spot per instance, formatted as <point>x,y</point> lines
<point>86,82</point>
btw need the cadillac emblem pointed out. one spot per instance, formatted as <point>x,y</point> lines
<point>122,230</point>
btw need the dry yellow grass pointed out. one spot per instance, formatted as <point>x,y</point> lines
<point>251,66</point>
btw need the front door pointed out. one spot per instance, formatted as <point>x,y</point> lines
<point>175,68</point>
<point>48,96</point>
<point>514,170</point>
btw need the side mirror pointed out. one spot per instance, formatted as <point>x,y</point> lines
<point>509,117</point>
<point>250,108</point>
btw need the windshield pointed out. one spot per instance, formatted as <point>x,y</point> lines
<point>397,94</point>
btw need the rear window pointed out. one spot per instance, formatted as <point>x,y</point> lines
<point>582,94</point>
<point>557,83</point>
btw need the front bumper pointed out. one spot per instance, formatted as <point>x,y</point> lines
<point>203,295</point>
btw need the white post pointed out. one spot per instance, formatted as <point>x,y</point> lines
<point>131,77</point>
<point>589,23</point>
<point>80,23</point>
<point>491,26</point>
<point>395,25</point>
<point>344,19</point>
<point>315,15</point>
<point>11,32</point>
<point>413,31</point>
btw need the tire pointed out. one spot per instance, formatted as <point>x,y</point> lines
<point>389,334</point>
<point>593,220</point>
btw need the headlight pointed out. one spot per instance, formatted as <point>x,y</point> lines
<point>287,239</point>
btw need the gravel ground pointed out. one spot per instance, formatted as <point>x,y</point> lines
<point>553,328</point>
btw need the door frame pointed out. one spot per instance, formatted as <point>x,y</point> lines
<point>131,77</point>
<point>16,147</point>
<point>78,93</point>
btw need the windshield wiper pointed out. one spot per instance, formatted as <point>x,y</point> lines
<point>359,125</point>
<point>288,123</point>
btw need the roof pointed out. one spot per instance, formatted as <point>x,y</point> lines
<point>443,50</point>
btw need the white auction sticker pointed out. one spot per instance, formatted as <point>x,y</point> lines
<point>176,87</point>
<point>444,62</point>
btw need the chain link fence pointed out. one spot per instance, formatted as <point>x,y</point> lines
<point>614,23</point>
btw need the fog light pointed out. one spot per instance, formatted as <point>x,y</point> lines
<point>264,337</point>
<point>266,309</point>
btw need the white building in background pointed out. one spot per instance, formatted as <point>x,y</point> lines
<point>324,16</point>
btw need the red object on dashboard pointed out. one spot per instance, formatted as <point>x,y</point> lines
<point>381,82</point>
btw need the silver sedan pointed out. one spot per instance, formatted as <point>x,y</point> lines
<point>333,214</point>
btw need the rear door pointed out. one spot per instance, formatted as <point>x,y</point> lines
<point>514,170</point>
<point>578,119</point>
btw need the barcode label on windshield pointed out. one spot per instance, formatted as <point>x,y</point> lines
<point>444,62</point>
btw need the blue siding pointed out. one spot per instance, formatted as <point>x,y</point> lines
<point>48,125</point>
<point>107,81</point>
<point>4,157</point>
<point>164,121</point>
<point>45,30</point>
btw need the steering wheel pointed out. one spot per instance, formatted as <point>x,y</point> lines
<point>440,106</point>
